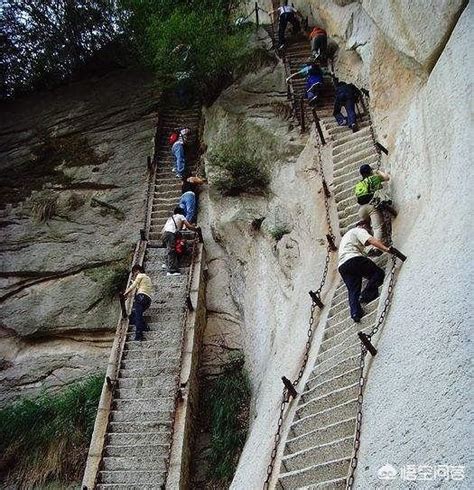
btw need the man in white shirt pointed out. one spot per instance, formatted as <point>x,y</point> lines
<point>354,265</point>
<point>172,226</point>
<point>286,14</point>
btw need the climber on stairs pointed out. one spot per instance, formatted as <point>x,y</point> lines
<point>188,201</point>
<point>314,80</point>
<point>173,226</point>
<point>372,198</point>
<point>354,265</point>
<point>144,289</point>
<point>346,96</point>
<point>286,14</point>
<point>178,141</point>
<point>319,43</point>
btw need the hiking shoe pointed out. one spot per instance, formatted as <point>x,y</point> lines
<point>173,273</point>
<point>357,318</point>
<point>281,46</point>
<point>374,252</point>
<point>138,338</point>
<point>354,128</point>
<point>163,266</point>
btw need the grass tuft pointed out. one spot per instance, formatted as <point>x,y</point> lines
<point>239,168</point>
<point>45,439</point>
<point>228,407</point>
<point>278,232</point>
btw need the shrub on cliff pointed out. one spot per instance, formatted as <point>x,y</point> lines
<point>46,439</point>
<point>239,168</point>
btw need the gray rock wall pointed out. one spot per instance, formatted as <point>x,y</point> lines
<point>81,150</point>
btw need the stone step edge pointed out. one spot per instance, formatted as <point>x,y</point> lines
<point>314,400</point>
<point>327,427</point>
<point>331,380</point>
<point>306,417</point>
<point>333,367</point>
<point>302,470</point>
<point>319,446</point>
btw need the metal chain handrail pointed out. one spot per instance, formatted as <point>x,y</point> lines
<point>310,332</point>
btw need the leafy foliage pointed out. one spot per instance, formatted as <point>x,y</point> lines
<point>279,231</point>
<point>46,439</point>
<point>229,398</point>
<point>240,167</point>
<point>46,41</point>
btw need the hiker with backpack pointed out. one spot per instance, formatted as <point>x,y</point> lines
<point>319,43</point>
<point>286,14</point>
<point>173,226</point>
<point>346,96</point>
<point>314,80</point>
<point>354,265</point>
<point>178,139</point>
<point>188,201</point>
<point>143,288</point>
<point>371,196</point>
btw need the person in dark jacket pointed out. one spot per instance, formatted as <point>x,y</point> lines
<point>346,96</point>
<point>287,14</point>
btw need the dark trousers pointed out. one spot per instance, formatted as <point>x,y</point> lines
<point>349,104</point>
<point>352,272</point>
<point>141,303</point>
<point>320,43</point>
<point>283,22</point>
<point>169,241</point>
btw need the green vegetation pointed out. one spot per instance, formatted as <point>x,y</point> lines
<point>46,42</point>
<point>46,439</point>
<point>113,279</point>
<point>240,167</point>
<point>228,407</point>
<point>278,232</point>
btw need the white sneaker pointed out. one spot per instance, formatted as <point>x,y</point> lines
<point>163,266</point>
<point>173,273</point>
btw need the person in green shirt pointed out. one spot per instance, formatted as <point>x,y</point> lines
<point>365,190</point>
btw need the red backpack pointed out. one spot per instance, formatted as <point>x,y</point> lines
<point>173,138</point>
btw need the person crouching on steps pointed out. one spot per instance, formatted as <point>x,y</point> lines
<point>354,266</point>
<point>173,226</point>
<point>144,289</point>
<point>314,80</point>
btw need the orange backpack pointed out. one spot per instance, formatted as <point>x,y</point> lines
<point>317,31</point>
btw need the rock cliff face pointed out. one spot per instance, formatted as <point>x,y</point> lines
<point>413,58</point>
<point>73,163</point>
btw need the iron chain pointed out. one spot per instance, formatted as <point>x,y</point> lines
<point>372,133</point>
<point>310,332</point>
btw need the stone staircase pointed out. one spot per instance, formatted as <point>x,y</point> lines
<point>167,188</point>
<point>319,445</point>
<point>140,428</point>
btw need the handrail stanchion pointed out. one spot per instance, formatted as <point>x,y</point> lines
<point>257,20</point>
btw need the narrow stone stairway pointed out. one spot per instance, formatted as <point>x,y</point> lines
<point>139,433</point>
<point>318,449</point>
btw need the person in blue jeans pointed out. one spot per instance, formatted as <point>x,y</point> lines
<point>179,153</point>
<point>188,201</point>
<point>143,288</point>
<point>314,80</point>
<point>346,96</point>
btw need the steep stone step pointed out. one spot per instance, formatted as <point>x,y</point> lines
<point>319,376</point>
<point>150,450</point>
<point>173,352</point>
<point>157,416</point>
<point>136,429</point>
<point>144,405</point>
<point>317,388</point>
<point>328,485</point>
<point>325,402</point>
<point>137,439</point>
<point>349,139</point>
<point>326,471</point>
<point>325,435</point>
<point>322,419</point>
<point>153,478</point>
<point>339,449</point>
<point>156,371</point>
<point>342,152</point>
<point>147,462</point>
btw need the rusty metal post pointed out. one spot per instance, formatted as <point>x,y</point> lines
<point>327,192</point>
<point>123,307</point>
<point>148,163</point>
<point>142,235</point>
<point>318,126</point>
<point>289,386</point>
<point>381,147</point>
<point>302,115</point>
<point>316,299</point>
<point>331,243</point>
<point>257,20</point>
<point>365,339</point>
